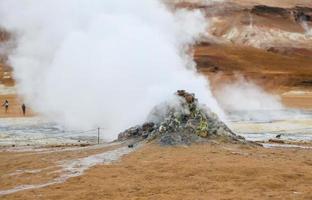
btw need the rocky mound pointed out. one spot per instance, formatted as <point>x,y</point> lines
<point>181,122</point>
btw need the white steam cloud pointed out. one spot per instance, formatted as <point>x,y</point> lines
<point>243,95</point>
<point>88,63</point>
<point>307,29</point>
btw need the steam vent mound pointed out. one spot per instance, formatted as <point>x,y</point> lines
<point>182,121</point>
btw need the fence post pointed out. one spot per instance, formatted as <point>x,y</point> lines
<point>98,135</point>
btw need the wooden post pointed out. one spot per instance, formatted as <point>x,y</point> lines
<point>98,135</point>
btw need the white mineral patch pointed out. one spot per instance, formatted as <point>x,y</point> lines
<point>297,93</point>
<point>4,90</point>
<point>286,146</point>
<point>37,131</point>
<point>261,37</point>
<point>75,167</point>
<point>299,130</point>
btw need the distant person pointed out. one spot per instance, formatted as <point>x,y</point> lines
<point>6,105</point>
<point>24,109</point>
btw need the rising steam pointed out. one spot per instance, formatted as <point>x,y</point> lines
<point>307,29</point>
<point>102,63</point>
<point>244,95</point>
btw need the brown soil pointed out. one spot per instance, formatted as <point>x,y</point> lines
<point>274,70</point>
<point>15,107</point>
<point>196,172</point>
<point>277,3</point>
<point>46,161</point>
<point>298,101</point>
<point>276,73</point>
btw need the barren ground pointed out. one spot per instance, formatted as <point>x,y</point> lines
<point>196,172</point>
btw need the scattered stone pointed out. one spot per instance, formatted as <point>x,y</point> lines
<point>84,145</point>
<point>148,127</point>
<point>131,133</point>
<point>181,122</point>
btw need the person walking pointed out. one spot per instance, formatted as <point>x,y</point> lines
<point>6,105</point>
<point>24,109</point>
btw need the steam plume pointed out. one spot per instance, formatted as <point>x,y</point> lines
<point>245,95</point>
<point>307,29</point>
<point>88,63</point>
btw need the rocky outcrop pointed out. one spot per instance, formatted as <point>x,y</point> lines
<point>268,10</point>
<point>302,14</point>
<point>297,13</point>
<point>181,122</point>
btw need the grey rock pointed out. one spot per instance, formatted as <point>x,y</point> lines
<point>182,123</point>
